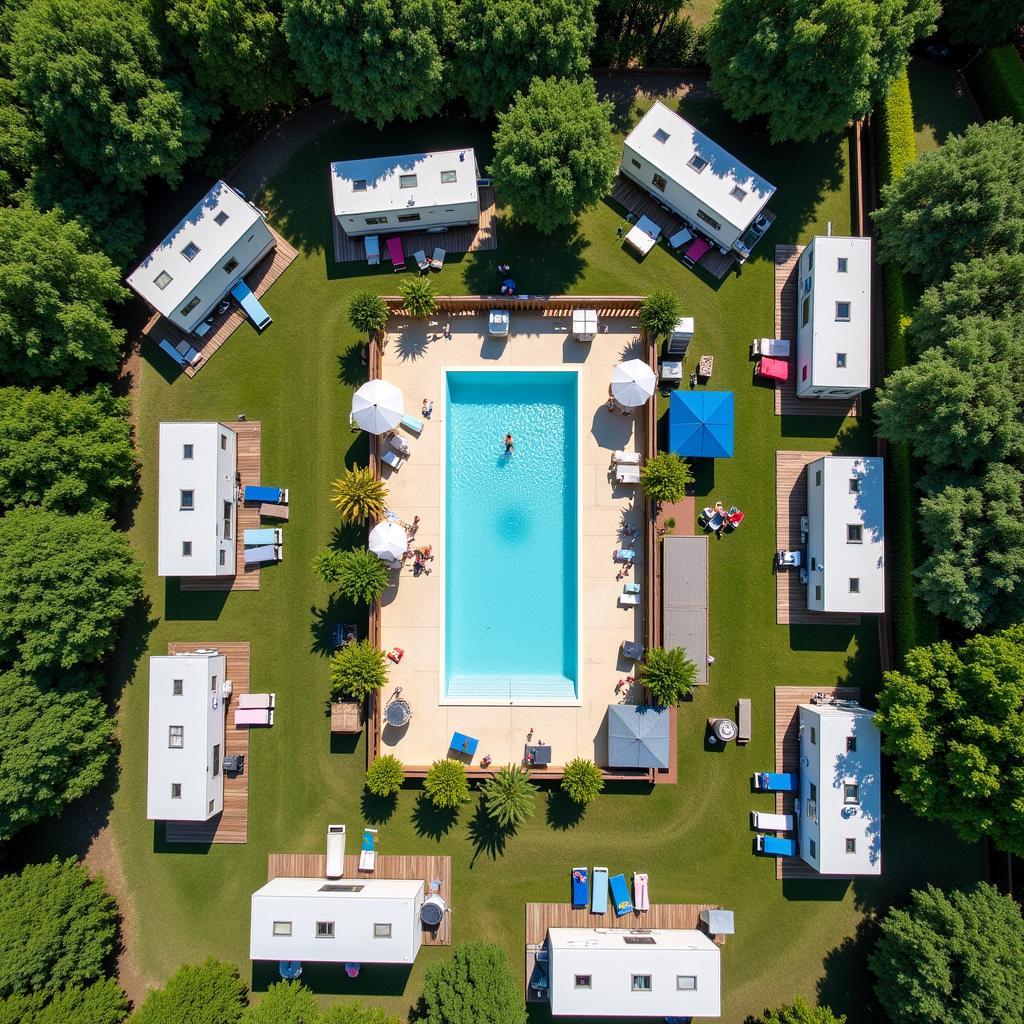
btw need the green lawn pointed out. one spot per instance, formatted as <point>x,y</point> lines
<point>693,838</point>
<point>942,104</point>
<point>701,10</point>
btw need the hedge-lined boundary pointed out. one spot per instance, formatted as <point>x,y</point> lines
<point>912,625</point>
<point>997,78</point>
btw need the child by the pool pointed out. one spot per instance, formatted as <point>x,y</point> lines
<point>509,444</point>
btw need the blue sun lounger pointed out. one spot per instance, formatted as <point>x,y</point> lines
<point>251,305</point>
<point>599,893</point>
<point>777,782</point>
<point>256,538</point>
<point>620,895</point>
<point>264,553</point>
<point>580,888</point>
<point>273,495</point>
<point>775,846</point>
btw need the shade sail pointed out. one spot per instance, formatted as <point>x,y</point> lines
<point>388,540</point>
<point>637,736</point>
<point>700,424</point>
<point>377,406</point>
<point>633,382</point>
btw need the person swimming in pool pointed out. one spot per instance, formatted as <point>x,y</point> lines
<point>509,444</point>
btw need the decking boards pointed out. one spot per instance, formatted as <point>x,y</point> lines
<point>232,824</point>
<point>542,916</point>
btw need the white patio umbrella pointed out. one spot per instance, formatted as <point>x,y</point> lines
<point>633,382</point>
<point>388,541</point>
<point>377,406</point>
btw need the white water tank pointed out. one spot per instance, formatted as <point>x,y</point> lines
<point>432,911</point>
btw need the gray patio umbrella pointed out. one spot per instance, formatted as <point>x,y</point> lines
<point>637,736</point>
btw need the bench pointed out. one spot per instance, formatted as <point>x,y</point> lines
<point>743,720</point>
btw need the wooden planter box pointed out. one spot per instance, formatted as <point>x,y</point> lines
<point>346,716</point>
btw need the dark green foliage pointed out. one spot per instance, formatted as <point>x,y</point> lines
<point>100,1003</point>
<point>286,1002</point>
<point>91,72</point>
<point>206,993</point>
<point>358,670</point>
<point>378,60</point>
<point>956,203</point>
<point>975,531</point>
<point>951,957</point>
<point>57,928</point>
<point>21,142</point>
<point>56,740</point>
<point>665,477</point>
<point>446,785</point>
<point>981,22</point>
<point>384,777</point>
<point>679,43</point>
<point>508,796</point>
<point>502,45</point>
<point>582,780</point>
<point>801,1012</point>
<point>66,582</point>
<point>55,289</point>
<point>669,675</point>
<point>952,723</point>
<point>356,1013</point>
<point>554,155</point>
<point>647,33</point>
<point>236,49</point>
<point>810,66</point>
<point>367,312</point>
<point>475,984</point>
<point>361,576</point>
<point>896,149</point>
<point>71,453</point>
<point>418,296</point>
<point>997,78</point>
<point>660,312</point>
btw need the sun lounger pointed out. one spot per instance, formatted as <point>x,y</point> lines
<point>391,459</point>
<point>599,892</point>
<point>249,701</point>
<point>497,323</point>
<point>580,888</point>
<point>265,553</point>
<point>273,510</point>
<point>633,650</point>
<point>413,425</point>
<point>643,236</point>
<point>624,458</point>
<point>627,600</point>
<point>772,368</point>
<point>625,555</point>
<point>395,253</point>
<point>183,355</point>
<point>254,493</point>
<point>640,898</point>
<point>696,250</point>
<point>680,238</point>
<point>371,246</point>
<point>627,475</point>
<point>266,535</point>
<point>774,846</point>
<point>777,347</point>
<point>400,445</point>
<point>368,850</point>
<point>764,822</point>
<point>437,259</point>
<point>421,260</point>
<point>743,721</point>
<point>251,306</point>
<point>631,588</point>
<point>621,902</point>
<point>776,782</point>
<point>254,716</point>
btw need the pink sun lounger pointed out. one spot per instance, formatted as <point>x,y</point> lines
<point>254,716</point>
<point>640,899</point>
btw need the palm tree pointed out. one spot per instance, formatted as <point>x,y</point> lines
<point>418,297</point>
<point>359,495</point>
<point>508,796</point>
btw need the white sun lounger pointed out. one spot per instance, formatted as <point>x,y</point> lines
<point>368,850</point>
<point>400,445</point>
<point>437,259</point>
<point>765,822</point>
<point>250,701</point>
<point>391,459</point>
<point>627,475</point>
<point>623,458</point>
<point>628,599</point>
<point>421,259</point>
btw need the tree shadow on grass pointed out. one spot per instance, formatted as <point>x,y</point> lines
<point>561,812</point>
<point>847,983</point>
<point>353,369</point>
<point>432,822</point>
<point>337,610</point>
<point>377,810</point>
<point>486,835</point>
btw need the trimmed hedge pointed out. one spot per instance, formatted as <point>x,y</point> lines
<point>997,78</point>
<point>896,137</point>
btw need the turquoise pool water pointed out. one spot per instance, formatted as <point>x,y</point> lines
<point>511,536</point>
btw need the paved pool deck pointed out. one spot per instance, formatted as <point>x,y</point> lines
<point>415,358</point>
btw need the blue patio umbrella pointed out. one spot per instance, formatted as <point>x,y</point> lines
<point>700,424</point>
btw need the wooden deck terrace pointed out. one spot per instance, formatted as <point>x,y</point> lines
<point>247,517</point>
<point>542,916</point>
<point>429,869</point>
<point>232,824</point>
<point>790,506</point>
<point>787,758</point>
<point>480,237</point>
<point>786,403</point>
<point>259,279</point>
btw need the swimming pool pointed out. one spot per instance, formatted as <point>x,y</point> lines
<point>511,553</point>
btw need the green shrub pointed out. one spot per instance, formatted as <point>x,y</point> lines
<point>359,573</point>
<point>508,796</point>
<point>660,312</point>
<point>801,1012</point>
<point>102,1002</point>
<point>385,776</point>
<point>896,148</point>
<point>669,674</point>
<point>446,784</point>
<point>666,477</point>
<point>472,986</point>
<point>368,312</point>
<point>997,78</point>
<point>206,993</point>
<point>418,297</point>
<point>358,495</point>
<point>358,670</point>
<point>582,781</point>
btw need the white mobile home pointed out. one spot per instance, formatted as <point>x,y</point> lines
<point>419,192</point>
<point>197,503</point>
<point>186,737</point>
<point>617,972</point>
<point>696,178</point>
<point>833,348</point>
<point>220,240</point>
<point>357,920</point>
<point>846,534</point>
<point>840,827</point>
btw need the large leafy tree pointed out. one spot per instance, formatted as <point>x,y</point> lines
<point>974,574</point>
<point>287,1002</point>
<point>99,1003</point>
<point>67,452</point>
<point>236,49</point>
<point>961,201</point>
<point>66,583</point>
<point>92,73</point>
<point>801,1012</point>
<point>981,22</point>
<point>54,293</point>
<point>206,993</point>
<point>55,742</point>
<point>21,142</point>
<point>379,60</point>
<point>502,45</point>
<point>554,155</point>
<point>57,928</point>
<point>951,957</point>
<point>952,721</point>
<point>474,984</point>
<point>810,66</point>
